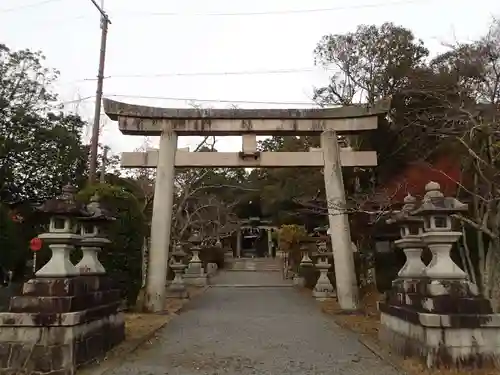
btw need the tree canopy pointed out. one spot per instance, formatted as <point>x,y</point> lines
<point>40,147</point>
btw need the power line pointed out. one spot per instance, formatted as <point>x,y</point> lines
<point>74,101</point>
<point>26,6</point>
<point>185,100</point>
<point>208,100</point>
<point>198,74</point>
<point>277,12</point>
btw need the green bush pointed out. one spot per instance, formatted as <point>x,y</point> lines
<point>14,247</point>
<point>122,258</point>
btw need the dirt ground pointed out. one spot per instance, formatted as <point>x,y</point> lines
<point>368,324</point>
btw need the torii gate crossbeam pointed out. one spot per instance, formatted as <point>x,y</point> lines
<point>168,123</point>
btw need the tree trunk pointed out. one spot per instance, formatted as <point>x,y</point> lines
<point>465,255</point>
<point>492,273</point>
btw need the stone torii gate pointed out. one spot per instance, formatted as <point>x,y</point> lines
<point>169,123</point>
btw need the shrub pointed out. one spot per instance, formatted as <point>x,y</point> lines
<point>14,247</point>
<point>212,254</point>
<point>122,258</point>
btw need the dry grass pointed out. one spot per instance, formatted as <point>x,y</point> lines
<point>138,325</point>
<point>367,324</point>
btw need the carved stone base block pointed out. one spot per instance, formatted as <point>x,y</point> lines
<point>323,295</point>
<point>195,279</point>
<point>445,323</point>
<point>57,325</point>
<point>228,254</point>
<point>177,293</point>
<point>212,269</point>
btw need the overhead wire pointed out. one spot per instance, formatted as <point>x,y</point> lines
<point>30,5</point>
<point>209,100</point>
<point>229,14</point>
<point>200,100</point>
<point>271,12</point>
<point>208,74</point>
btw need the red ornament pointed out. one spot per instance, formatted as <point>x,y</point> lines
<point>35,244</point>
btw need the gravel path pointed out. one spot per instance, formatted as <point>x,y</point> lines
<point>253,330</point>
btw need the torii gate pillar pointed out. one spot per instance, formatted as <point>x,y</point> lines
<point>161,223</point>
<point>347,289</point>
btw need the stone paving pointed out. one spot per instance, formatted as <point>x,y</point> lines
<point>244,330</point>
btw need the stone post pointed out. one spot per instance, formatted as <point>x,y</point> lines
<point>161,223</point>
<point>345,275</point>
<point>93,237</point>
<point>228,250</point>
<point>269,242</point>
<point>238,243</point>
<point>411,241</point>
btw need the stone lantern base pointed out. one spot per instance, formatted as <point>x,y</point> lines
<point>196,279</point>
<point>445,323</point>
<point>59,324</point>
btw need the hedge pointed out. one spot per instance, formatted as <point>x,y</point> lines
<point>122,258</point>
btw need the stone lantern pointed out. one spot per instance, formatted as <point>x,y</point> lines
<point>196,241</point>
<point>195,274</point>
<point>63,211</point>
<point>440,317</point>
<point>306,260</point>
<point>177,288</point>
<point>93,237</point>
<point>436,210</point>
<point>411,228</point>
<point>323,289</point>
<point>61,320</point>
<point>225,238</point>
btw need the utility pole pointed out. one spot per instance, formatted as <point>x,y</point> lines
<point>104,163</point>
<point>105,22</point>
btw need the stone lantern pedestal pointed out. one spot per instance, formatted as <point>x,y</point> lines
<point>62,319</point>
<point>195,273</point>
<point>306,264</point>
<point>434,312</point>
<point>226,245</point>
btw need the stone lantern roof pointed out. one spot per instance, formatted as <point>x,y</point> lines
<point>64,204</point>
<point>195,239</point>
<point>435,203</point>
<point>178,251</point>
<point>321,230</point>
<point>97,213</point>
<point>405,214</point>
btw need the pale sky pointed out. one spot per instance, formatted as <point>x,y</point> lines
<point>162,43</point>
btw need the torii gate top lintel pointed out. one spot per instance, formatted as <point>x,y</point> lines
<point>144,120</point>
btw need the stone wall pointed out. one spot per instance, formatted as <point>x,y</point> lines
<point>441,345</point>
<point>57,325</point>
